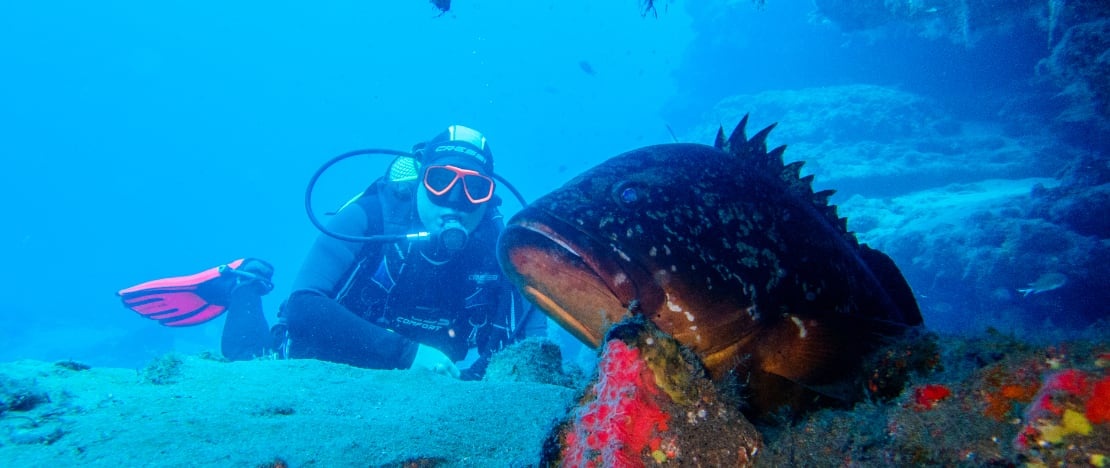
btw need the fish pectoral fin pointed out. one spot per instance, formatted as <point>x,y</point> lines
<point>845,390</point>
<point>820,355</point>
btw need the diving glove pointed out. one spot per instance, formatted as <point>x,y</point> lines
<point>434,360</point>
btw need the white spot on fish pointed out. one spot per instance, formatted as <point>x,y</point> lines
<point>801,326</point>
<point>621,278</point>
<point>674,268</point>
<point>623,255</point>
<point>674,307</point>
<point>628,233</point>
<point>652,252</point>
<point>666,250</point>
<point>689,316</point>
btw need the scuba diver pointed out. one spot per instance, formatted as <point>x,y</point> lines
<point>404,276</point>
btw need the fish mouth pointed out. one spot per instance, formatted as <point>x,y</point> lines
<point>577,279</point>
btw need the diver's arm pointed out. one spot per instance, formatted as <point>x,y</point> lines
<point>321,328</point>
<point>330,260</point>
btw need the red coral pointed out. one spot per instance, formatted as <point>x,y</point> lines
<point>624,420</point>
<point>927,396</point>
<point>1069,389</point>
<point>1070,381</point>
<point>1098,407</point>
<point>1063,385</point>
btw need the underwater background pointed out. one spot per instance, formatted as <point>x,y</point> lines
<point>966,139</point>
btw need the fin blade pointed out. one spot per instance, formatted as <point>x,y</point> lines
<point>182,300</point>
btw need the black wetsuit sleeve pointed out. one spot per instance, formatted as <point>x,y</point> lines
<point>322,328</point>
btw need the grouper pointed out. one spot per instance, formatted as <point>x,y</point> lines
<point>726,249</point>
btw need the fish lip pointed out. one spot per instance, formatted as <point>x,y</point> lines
<point>570,274</point>
<point>586,249</point>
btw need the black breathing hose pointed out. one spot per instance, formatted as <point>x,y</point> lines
<point>383,237</point>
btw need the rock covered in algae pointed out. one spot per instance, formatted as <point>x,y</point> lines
<point>652,403</point>
<point>535,360</point>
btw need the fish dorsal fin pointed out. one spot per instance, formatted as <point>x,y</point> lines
<point>753,151</point>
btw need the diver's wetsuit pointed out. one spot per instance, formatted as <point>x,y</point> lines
<point>369,305</point>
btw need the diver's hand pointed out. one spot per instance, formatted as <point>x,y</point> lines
<point>434,360</point>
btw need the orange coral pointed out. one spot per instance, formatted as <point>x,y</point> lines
<point>1005,390</point>
<point>999,404</point>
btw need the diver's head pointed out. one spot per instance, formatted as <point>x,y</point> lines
<point>456,184</point>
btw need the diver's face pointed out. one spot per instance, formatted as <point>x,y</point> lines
<point>434,216</point>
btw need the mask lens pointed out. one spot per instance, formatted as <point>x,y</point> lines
<point>479,188</point>
<point>440,179</point>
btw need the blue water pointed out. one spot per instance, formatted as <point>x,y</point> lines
<point>142,140</point>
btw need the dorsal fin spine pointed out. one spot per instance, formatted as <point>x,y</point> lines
<point>754,152</point>
<point>738,137</point>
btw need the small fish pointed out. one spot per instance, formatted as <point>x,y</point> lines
<point>648,7</point>
<point>442,5</point>
<point>724,248</point>
<point>1045,282</point>
<point>586,67</point>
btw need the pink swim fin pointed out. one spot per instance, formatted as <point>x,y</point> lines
<point>193,299</point>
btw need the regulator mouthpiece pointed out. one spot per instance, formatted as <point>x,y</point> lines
<point>453,236</point>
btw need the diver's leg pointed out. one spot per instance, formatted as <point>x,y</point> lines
<point>246,334</point>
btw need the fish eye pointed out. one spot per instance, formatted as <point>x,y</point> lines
<point>627,193</point>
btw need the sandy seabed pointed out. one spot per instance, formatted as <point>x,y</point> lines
<point>191,411</point>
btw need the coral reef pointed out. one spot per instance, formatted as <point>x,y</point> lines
<point>1076,36</point>
<point>957,20</point>
<point>1079,64</point>
<point>1067,421</point>
<point>971,247</point>
<point>880,141</point>
<point>1084,189</point>
<point>997,401</point>
<point>652,403</point>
